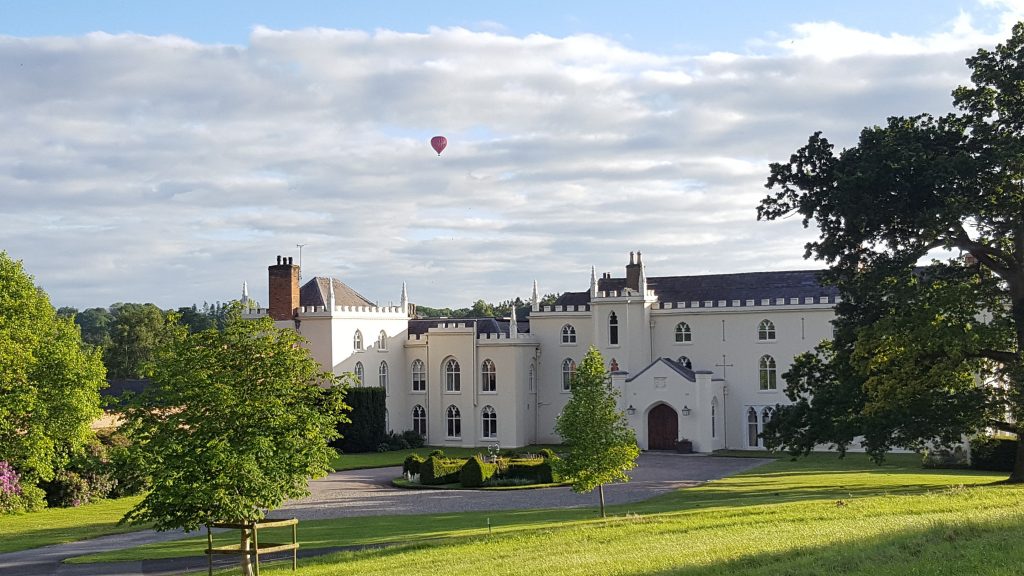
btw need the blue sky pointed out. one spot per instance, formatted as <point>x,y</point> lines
<point>663,26</point>
<point>167,152</point>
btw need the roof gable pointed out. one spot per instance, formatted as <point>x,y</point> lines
<point>672,364</point>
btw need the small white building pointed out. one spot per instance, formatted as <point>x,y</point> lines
<point>694,357</point>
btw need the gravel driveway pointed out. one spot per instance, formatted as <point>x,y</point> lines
<point>370,493</point>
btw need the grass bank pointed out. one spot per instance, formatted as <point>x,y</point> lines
<point>59,525</point>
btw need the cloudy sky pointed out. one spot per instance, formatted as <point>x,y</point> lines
<point>168,155</point>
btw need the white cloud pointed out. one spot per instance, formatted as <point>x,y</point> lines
<point>136,168</point>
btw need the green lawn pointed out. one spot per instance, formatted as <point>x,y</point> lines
<point>770,515</point>
<point>57,525</point>
<point>396,457</point>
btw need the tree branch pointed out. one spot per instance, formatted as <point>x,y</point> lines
<point>997,355</point>
<point>996,260</point>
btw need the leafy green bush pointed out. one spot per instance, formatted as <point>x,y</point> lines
<point>475,472</point>
<point>413,439</point>
<point>993,454</point>
<point>434,470</point>
<point>437,453</point>
<point>547,453</point>
<point>125,465</point>
<point>67,489</point>
<point>412,463</point>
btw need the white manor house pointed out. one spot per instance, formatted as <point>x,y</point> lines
<point>694,357</point>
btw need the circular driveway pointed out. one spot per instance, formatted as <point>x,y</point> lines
<point>370,493</point>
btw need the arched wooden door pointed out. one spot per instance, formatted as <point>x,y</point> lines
<point>662,428</point>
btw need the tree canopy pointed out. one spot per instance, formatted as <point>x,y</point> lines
<point>922,354</point>
<point>49,383</point>
<point>234,423</point>
<point>602,446</point>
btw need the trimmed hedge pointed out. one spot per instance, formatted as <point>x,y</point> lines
<point>475,472</point>
<point>412,463</point>
<point>434,471</point>
<point>993,454</point>
<point>365,432</point>
<point>547,453</point>
<point>535,470</point>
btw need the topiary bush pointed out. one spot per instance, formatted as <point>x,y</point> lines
<point>435,470</point>
<point>475,472</point>
<point>437,453</point>
<point>537,471</point>
<point>547,453</point>
<point>995,454</point>
<point>412,463</point>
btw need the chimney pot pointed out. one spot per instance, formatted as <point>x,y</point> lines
<point>278,259</point>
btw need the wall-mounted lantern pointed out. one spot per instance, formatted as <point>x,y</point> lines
<point>685,411</point>
<point>631,411</point>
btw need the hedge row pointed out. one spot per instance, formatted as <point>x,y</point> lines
<point>475,472</point>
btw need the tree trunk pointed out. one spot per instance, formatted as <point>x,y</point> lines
<point>246,546</point>
<point>600,490</point>
<point>1017,389</point>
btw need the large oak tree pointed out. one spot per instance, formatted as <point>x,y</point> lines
<point>922,353</point>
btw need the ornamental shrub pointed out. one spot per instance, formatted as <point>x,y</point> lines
<point>15,497</point>
<point>412,463</point>
<point>475,472</point>
<point>437,453</point>
<point>547,453</point>
<point>435,471</point>
<point>993,454</point>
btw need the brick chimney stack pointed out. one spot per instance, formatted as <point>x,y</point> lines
<point>284,289</point>
<point>633,272</point>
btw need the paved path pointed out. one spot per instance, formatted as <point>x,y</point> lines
<point>370,493</point>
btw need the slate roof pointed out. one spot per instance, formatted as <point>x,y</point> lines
<point>674,365</point>
<point>740,286</point>
<point>314,293</point>
<point>483,325</point>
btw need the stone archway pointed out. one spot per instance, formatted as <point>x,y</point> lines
<point>662,428</point>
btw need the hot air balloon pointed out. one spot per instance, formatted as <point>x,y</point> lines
<point>438,143</point>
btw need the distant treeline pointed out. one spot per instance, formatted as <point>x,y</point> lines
<point>481,309</point>
<point>128,333</point>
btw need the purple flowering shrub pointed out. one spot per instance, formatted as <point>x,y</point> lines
<point>10,481</point>
<point>14,497</point>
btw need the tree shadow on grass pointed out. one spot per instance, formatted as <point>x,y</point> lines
<point>951,548</point>
<point>944,548</point>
